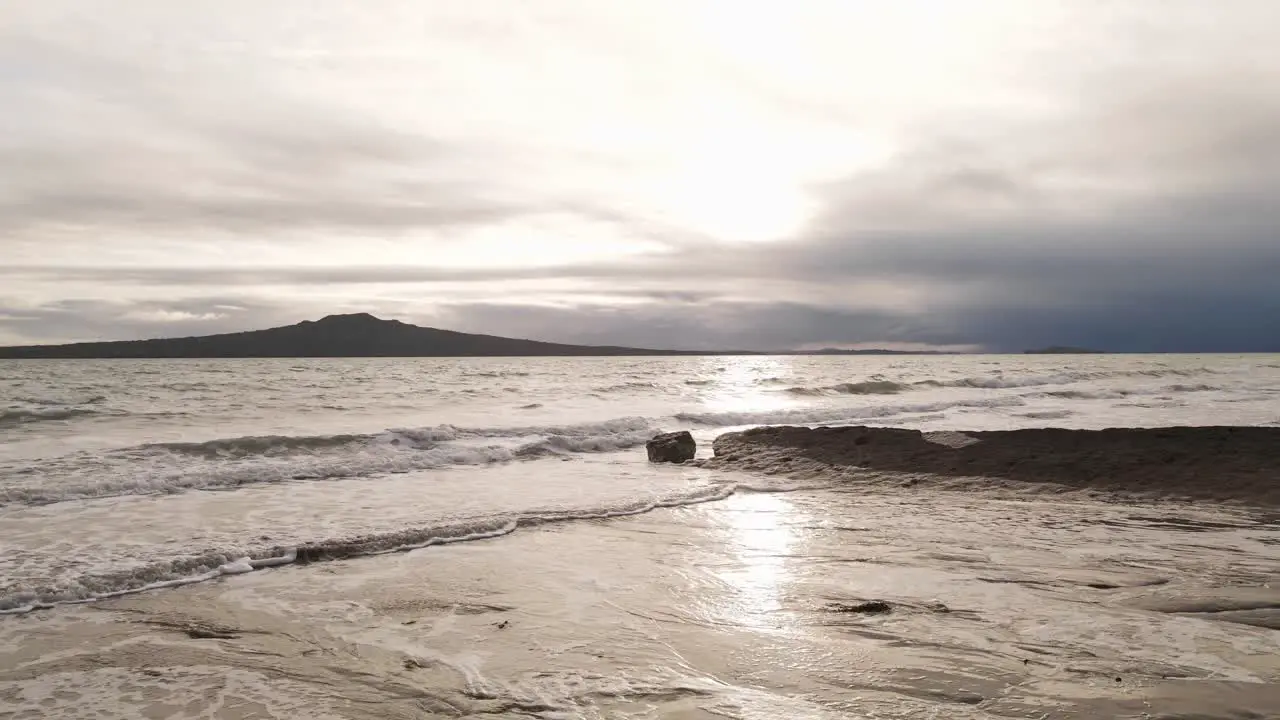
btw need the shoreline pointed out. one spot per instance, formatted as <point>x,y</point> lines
<point>729,609</point>
<point>1214,463</point>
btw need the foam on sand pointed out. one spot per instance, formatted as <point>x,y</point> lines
<point>197,567</point>
<point>1222,463</point>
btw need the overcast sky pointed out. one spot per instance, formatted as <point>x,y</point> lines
<point>995,174</point>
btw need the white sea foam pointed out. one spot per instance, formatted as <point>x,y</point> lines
<point>205,566</point>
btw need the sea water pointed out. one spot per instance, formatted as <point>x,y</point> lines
<point>525,479</point>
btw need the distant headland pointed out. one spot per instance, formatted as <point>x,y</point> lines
<point>354,335</point>
<point>1063,350</point>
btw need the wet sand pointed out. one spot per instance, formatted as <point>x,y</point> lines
<point>1237,464</point>
<point>753,607</point>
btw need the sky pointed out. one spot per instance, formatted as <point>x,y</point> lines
<point>696,174</point>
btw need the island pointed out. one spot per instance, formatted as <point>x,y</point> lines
<point>351,335</point>
<point>363,335</point>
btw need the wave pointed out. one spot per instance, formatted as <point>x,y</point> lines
<point>256,445</point>
<point>995,381</point>
<point>1088,394</point>
<point>496,373</point>
<point>209,565</point>
<point>23,416</point>
<point>419,438</point>
<point>624,387</point>
<point>806,416</point>
<point>1047,414</point>
<point>167,468</point>
<point>868,387</point>
<point>86,400</point>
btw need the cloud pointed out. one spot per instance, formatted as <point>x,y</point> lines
<point>1080,177</point>
<point>160,150</point>
<point>74,320</point>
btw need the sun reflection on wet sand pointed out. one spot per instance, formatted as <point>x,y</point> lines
<point>762,539</point>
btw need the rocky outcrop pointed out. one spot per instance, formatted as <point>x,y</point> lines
<point>675,447</point>
<point>1210,463</point>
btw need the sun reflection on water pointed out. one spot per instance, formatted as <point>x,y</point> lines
<point>749,383</point>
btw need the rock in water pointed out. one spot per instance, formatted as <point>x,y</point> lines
<point>673,447</point>
<point>869,607</point>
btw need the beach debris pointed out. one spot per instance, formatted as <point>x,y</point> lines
<point>869,607</point>
<point>503,625</point>
<point>674,447</point>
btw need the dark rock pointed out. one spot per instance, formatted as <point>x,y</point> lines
<point>870,607</point>
<point>675,447</point>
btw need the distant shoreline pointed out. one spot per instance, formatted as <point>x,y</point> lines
<point>364,336</point>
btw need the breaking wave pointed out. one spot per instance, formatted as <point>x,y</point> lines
<point>166,468</point>
<point>869,387</point>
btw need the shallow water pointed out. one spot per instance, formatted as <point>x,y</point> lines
<point>630,590</point>
<point>100,460</point>
<point>998,608</point>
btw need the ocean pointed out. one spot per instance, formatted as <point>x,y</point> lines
<point>357,538</point>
